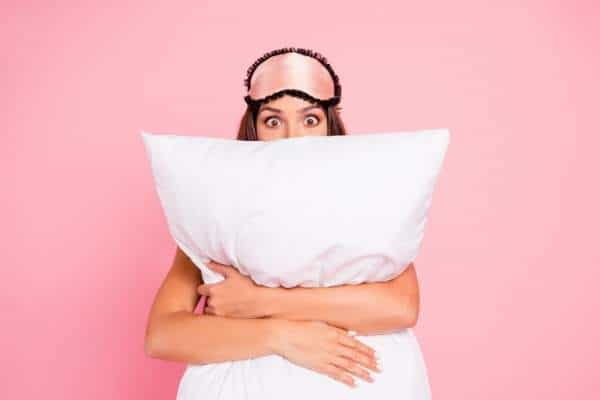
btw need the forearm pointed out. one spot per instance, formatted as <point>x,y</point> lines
<point>368,308</point>
<point>188,337</point>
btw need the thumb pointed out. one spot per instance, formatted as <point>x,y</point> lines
<point>204,289</point>
<point>222,269</point>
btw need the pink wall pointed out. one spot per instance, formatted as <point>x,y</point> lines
<point>511,255</point>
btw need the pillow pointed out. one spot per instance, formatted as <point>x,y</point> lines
<point>304,211</point>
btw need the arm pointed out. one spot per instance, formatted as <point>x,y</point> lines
<point>368,308</point>
<point>174,332</point>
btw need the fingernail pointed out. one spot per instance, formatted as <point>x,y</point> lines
<point>352,333</point>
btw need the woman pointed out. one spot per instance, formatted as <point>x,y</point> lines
<point>277,331</point>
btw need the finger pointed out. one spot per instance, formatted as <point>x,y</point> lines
<point>357,357</point>
<point>351,366</point>
<point>338,374</point>
<point>221,269</point>
<point>204,289</point>
<point>356,344</point>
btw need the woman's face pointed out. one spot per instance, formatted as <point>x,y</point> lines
<point>288,117</point>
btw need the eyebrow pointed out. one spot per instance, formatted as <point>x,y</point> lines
<point>267,108</point>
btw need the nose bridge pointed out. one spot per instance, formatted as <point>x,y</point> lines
<point>294,128</point>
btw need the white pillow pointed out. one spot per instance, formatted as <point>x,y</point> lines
<point>308,211</point>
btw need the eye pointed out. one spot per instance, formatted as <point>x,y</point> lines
<point>266,121</point>
<point>314,118</point>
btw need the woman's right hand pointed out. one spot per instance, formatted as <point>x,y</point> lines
<point>324,348</point>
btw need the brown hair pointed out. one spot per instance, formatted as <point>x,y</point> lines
<point>247,128</point>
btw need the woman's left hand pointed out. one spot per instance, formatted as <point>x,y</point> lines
<point>236,296</point>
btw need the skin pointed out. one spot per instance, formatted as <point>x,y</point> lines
<point>289,117</point>
<point>308,326</point>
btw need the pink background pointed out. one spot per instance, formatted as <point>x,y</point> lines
<point>510,260</point>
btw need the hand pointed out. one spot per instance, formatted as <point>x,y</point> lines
<point>324,348</point>
<point>237,296</point>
